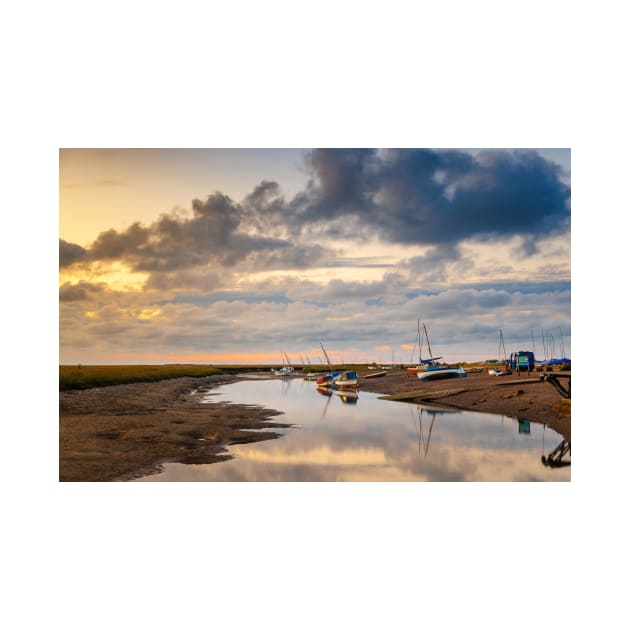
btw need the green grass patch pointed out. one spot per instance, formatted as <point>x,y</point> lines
<point>88,376</point>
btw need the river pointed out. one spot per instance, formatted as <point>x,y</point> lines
<point>363,438</point>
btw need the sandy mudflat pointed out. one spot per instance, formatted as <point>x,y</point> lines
<point>126,431</point>
<point>520,396</point>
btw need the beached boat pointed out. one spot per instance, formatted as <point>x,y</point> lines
<point>422,363</point>
<point>374,374</point>
<point>312,376</point>
<point>348,379</point>
<point>495,372</point>
<point>326,380</point>
<point>501,359</point>
<point>441,371</point>
<point>434,370</point>
<point>287,370</point>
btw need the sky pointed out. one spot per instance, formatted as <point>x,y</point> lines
<point>240,255</point>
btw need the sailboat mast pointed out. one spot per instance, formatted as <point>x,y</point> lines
<point>426,334</point>
<point>533,342</point>
<point>325,353</point>
<point>501,345</point>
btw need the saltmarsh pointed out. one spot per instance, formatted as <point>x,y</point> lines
<point>88,376</point>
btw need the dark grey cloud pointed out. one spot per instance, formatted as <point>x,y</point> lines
<point>219,233</point>
<point>79,292</point>
<point>69,253</point>
<point>433,197</point>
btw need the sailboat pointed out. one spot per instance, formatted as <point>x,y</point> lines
<point>422,363</point>
<point>496,371</point>
<point>434,370</point>
<point>326,380</point>
<point>286,369</point>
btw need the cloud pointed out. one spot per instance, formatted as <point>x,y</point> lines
<point>480,242</point>
<point>69,253</point>
<point>433,197</point>
<point>212,236</point>
<point>79,292</point>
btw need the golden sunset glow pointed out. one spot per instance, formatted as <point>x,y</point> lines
<point>241,255</point>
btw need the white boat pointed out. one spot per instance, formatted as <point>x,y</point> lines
<point>348,379</point>
<point>438,371</point>
<point>374,375</point>
<point>434,370</point>
<point>287,370</point>
<point>422,363</point>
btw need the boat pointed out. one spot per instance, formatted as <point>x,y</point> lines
<point>506,370</point>
<point>326,380</point>
<point>347,380</point>
<point>494,372</point>
<point>422,363</point>
<point>311,376</point>
<point>438,371</point>
<point>286,369</point>
<point>435,370</point>
<point>374,375</point>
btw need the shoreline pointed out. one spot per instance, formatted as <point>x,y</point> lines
<point>520,396</point>
<point>124,432</point>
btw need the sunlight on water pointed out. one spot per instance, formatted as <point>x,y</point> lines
<point>361,438</point>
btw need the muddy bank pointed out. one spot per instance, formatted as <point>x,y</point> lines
<point>126,431</point>
<point>522,396</point>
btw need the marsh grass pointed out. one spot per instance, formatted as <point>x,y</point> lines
<point>88,376</point>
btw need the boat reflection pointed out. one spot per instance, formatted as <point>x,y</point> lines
<point>374,441</point>
<point>347,396</point>
<point>559,457</point>
<point>432,412</point>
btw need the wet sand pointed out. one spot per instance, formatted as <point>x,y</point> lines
<point>127,431</point>
<point>520,396</point>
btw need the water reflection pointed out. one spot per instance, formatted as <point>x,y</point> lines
<point>338,439</point>
<point>418,411</point>
<point>559,457</point>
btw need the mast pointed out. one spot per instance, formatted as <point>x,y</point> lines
<point>426,334</point>
<point>501,344</point>
<point>533,343</point>
<point>417,339</point>
<point>562,342</point>
<point>325,354</point>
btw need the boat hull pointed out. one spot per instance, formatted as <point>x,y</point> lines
<point>431,375</point>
